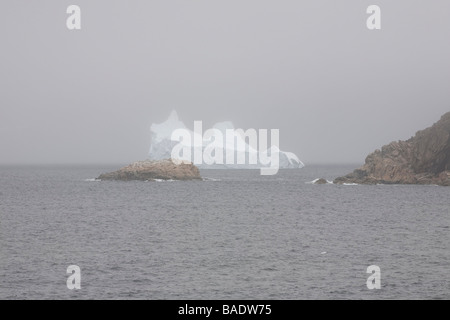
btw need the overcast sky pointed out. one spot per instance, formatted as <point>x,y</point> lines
<point>312,69</point>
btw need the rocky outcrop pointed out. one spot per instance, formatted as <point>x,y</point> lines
<point>321,181</point>
<point>154,170</point>
<point>423,159</point>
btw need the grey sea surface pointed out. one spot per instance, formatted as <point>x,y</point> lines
<point>236,235</point>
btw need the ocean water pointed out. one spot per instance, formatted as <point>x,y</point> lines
<point>237,235</point>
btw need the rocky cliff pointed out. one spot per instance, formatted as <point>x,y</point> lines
<point>423,159</point>
<point>154,170</point>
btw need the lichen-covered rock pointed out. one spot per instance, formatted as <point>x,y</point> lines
<point>154,170</point>
<point>423,159</point>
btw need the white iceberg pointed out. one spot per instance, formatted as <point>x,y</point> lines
<point>162,145</point>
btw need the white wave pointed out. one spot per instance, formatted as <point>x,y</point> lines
<point>92,180</point>
<point>312,182</point>
<point>315,180</point>
<point>350,184</point>
<point>211,179</point>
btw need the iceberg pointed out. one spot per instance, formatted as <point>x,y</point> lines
<point>163,143</point>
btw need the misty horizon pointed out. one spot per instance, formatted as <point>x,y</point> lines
<point>335,90</point>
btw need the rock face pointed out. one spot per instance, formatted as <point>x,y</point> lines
<point>423,159</point>
<point>154,170</point>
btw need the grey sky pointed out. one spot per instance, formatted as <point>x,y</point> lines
<point>312,69</point>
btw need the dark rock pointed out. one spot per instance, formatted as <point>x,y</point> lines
<point>321,181</point>
<point>154,170</point>
<point>423,159</point>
